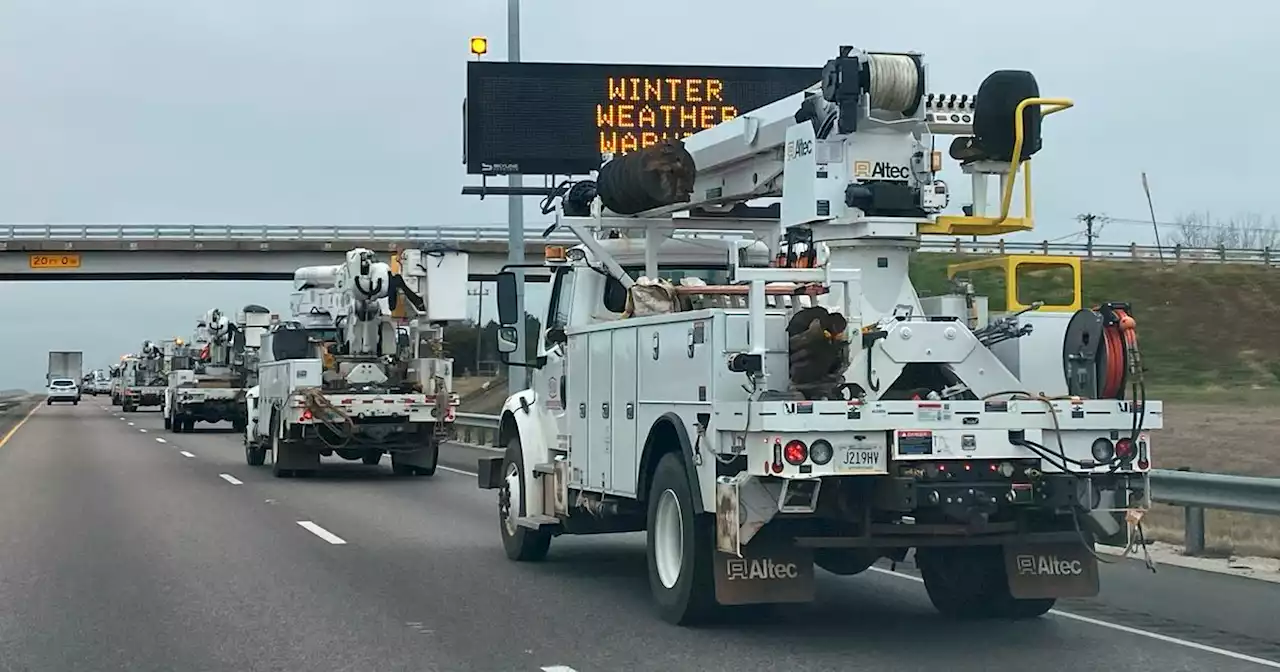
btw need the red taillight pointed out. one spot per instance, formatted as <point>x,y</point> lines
<point>306,414</point>
<point>795,452</point>
<point>1124,449</point>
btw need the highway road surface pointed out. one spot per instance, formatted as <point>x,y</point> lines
<point>126,547</point>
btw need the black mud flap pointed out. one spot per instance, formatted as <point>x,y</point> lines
<point>1051,571</point>
<point>489,473</point>
<point>768,572</point>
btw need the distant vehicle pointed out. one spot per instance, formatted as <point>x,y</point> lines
<point>63,389</point>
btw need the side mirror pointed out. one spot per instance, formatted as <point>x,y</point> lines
<point>507,294</point>
<point>508,341</point>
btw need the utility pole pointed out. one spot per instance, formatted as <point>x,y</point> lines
<point>479,293</point>
<point>1089,233</point>
<point>517,376</point>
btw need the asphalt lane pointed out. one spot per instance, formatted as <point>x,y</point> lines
<point>157,560</point>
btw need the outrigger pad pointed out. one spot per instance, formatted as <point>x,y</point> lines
<point>489,473</point>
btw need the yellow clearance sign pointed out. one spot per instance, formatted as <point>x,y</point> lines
<point>42,261</point>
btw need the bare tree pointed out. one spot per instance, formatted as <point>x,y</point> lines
<point>1246,231</point>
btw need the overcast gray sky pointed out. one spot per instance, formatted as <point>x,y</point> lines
<point>348,112</point>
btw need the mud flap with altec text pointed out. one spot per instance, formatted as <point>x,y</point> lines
<point>767,572</point>
<point>1051,570</point>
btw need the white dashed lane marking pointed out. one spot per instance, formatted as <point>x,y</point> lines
<point>321,532</point>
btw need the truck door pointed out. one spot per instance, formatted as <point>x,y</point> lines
<point>553,381</point>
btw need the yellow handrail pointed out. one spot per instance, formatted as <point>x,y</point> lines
<point>1006,198</point>
<point>946,224</point>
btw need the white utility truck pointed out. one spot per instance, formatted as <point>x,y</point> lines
<point>360,370</point>
<point>143,378</point>
<point>209,383</point>
<point>808,406</point>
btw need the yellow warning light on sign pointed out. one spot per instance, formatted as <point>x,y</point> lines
<point>479,46</point>
<point>555,254</point>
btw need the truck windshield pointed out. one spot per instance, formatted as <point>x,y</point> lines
<point>711,274</point>
<point>615,297</point>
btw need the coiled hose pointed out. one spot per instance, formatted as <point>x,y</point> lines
<point>328,415</point>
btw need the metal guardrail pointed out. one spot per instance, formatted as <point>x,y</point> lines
<point>497,233</point>
<point>1194,491</point>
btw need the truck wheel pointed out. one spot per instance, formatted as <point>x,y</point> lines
<point>521,543</point>
<point>679,548</point>
<point>971,583</point>
<point>48,402</point>
<point>371,458</point>
<point>254,455</point>
<point>277,447</point>
<point>177,424</point>
<point>75,402</point>
<point>168,422</point>
<point>845,561</point>
<point>188,425</point>
<point>239,425</point>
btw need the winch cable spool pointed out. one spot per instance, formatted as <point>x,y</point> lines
<point>896,84</point>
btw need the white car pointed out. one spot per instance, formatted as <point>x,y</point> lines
<point>63,389</point>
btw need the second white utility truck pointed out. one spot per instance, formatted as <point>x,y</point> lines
<point>360,371</point>
<point>806,406</point>
<point>142,378</point>
<point>209,377</point>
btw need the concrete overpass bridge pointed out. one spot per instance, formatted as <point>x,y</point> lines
<point>229,252</point>
<point>271,252</point>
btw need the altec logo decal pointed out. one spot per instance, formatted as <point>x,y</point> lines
<point>881,170</point>
<point>1048,565</point>
<point>799,148</point>
<point>741,569</point>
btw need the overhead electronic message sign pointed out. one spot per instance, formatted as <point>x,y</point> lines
<point>558,118</point>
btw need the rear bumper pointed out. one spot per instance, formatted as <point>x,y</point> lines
<point>64,396</point>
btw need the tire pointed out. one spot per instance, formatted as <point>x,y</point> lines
<point>970,583</point>
<point>168,423</point>
<point>177,424</point>
<point>276,446</point>
<point>48,402</point>
<point>239,425</point>
<point>188,425</point>
<point>435,461</point>
<point>679,548</point>
<point>75,402</point>
<point>371,459</point>
<point>520,543</point>
<point>254,456</point>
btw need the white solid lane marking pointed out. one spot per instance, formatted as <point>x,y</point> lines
<point>558,668</point>
<point>231,479</point>
<point>1132,631</point>
<point>186,454</point>
<point>321,532</point>
<point>456,471</point>
<point>160,440</point>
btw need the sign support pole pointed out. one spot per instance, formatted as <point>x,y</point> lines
<point>517,377</point>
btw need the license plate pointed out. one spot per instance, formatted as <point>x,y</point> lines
<point>856,458</point>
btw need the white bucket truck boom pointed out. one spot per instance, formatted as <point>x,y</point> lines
<point>360,370</point>
<point>810,407</point>
<point>210,376</point>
